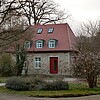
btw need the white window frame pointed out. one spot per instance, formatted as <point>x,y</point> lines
<point>37,62</point>
<point>52,43</point>
<point>27,44</point>
<point>39,30</point>
<point>50,30</point>
<point>39,44</point>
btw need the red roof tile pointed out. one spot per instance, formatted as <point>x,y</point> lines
<point>62,33</point>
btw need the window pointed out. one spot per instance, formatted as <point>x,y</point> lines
<point>52,43</point>
<point>37,62</point>
<point>39,31</point>
<point>50,30</point>
<point>28,44</point>
<point>40,44</point>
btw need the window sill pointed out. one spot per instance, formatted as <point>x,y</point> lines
<point>37,67</point>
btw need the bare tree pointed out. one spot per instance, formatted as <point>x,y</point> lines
<point>35,11</point>
<point>87,64</point>
<point>12,26</point>
<point>17,15</point>
<point>41,11</point>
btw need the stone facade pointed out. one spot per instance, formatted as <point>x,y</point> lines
<point>64,63</point>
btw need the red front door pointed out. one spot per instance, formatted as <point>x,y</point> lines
<point>53,65</point>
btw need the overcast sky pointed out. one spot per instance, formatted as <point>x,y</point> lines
<point>81,10</point>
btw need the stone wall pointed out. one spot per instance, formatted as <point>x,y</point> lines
<point>64,63</point>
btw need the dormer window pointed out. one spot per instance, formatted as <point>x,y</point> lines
<point>27,44</point>
<point>52,43</point>
<point>39,30</point>
<point>50,30</point>
<point>39,43</point>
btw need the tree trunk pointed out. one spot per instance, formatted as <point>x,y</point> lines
<point>91,85</point>
<point>95,81</point>
<point>90,81</point>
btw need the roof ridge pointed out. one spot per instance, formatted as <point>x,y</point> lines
<point>50,24</point>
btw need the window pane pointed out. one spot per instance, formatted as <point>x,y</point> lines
<point>52,44</point>
<point>27,45</point>
<point>50,30</point>
<point>39,44</point>
<point>39,31</point>
<point>37,62</point>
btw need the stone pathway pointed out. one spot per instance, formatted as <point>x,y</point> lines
<point>2,84</point>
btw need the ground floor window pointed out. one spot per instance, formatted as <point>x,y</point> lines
<point>37,62</point>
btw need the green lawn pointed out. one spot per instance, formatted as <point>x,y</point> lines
<point>3,79</point>
<point>74,90</point>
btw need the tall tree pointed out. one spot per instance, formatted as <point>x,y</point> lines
<point>35,11</point>
<point>87,64</point>
<point>41,11</point>
<point>17,15</point>
<point>12,26</point>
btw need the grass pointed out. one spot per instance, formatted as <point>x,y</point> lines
<point>3,79</point>
<point>74,90</point>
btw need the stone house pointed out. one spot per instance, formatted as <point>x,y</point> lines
<point>51,50</point>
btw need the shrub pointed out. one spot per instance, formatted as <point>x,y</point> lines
<point>40,84</point>
<point>6,65</point>
<point>37,83</point>
<point>18,83</point>
<point>22,83</point>
<point>57,85</point>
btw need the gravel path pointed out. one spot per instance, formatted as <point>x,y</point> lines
<point>2,84</point>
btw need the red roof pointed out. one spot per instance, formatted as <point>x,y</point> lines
<point>62,33</point>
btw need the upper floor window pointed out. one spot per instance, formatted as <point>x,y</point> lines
<point>52,43</point>
<point>50,30</point>
<point>39,30</point>
<point>27,44</point>
<point>39,44</point>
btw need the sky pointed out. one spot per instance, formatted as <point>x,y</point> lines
<point>80,10</point>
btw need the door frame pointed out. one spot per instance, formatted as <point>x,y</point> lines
<point>58,62</point>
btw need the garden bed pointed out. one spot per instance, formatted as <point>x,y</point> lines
<point>75,90</point>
